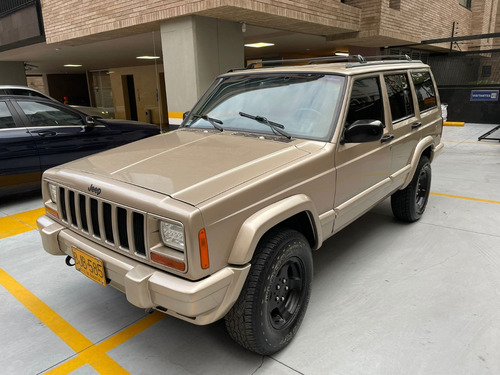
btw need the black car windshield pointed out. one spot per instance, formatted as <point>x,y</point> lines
<point>304,104</point>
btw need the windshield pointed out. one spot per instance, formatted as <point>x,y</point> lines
<point>303,105</point>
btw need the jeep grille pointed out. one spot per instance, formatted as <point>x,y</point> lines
<point>118,227</point>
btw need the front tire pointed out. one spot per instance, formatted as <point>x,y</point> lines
<point>275,296</point>
<point>409,204</point>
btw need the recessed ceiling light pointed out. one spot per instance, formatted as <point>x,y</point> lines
<point>147,57</point>
<point>345,54</point>
<point>259,45</point>
<point>72,65</point>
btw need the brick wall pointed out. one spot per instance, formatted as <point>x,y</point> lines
<point>91,19</point>
<point>389,22</point>
<point>354,22</point>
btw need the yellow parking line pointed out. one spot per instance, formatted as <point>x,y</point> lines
<point>74,339</point>
<point>107,345</point>
<point>94,355</point>
<point>466,198</point>
<point>19,223</point>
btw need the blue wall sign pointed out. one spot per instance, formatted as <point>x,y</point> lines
<point>484,96</point>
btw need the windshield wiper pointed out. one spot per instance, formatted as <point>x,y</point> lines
<point>273,125</point>
<point>213,121</point>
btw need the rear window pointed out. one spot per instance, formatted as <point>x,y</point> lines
<point>400,100</point>
<point>6,120</point>
<point>425,90</point>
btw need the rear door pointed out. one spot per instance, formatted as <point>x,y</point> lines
<point>19,161</point>
<point>405,123</point>
<point>61,134</point>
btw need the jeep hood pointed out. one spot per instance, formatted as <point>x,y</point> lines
<point>192,165</point>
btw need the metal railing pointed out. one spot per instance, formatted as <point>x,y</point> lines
<point>10,6</point>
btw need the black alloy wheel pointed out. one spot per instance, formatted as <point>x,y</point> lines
<point>274,299</point>
<point>409,203</point>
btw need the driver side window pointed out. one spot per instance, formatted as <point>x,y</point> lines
<point>45,115</point>
<point>366,101</point>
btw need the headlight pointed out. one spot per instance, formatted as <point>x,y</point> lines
<point>172,235</point>
<point>53,193</point>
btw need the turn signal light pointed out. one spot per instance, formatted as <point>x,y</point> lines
<point>169,262</point>
<point>52,212</point>
<point>202,239</point>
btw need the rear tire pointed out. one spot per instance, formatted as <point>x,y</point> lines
<point>409,204</point>
<point>275,296</point>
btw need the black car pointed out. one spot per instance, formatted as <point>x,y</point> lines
<point>37,134</point>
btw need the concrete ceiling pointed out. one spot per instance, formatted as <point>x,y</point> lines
<point>121,52</point>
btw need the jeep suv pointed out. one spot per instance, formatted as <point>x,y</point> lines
<point>219,218</point>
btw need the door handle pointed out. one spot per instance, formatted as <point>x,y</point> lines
<point>387,138</point>
<point>45,133</point>
<point>416,125</point>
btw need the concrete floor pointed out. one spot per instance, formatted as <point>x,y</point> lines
<point>388,298</point>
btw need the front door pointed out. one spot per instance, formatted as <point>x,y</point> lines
<point>61,134</point>
<point>363,169</point>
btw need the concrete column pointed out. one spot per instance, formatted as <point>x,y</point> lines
<point>195,51</point>
<point>12,73</point>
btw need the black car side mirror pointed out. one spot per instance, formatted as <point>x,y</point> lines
<point>90,121</point>
<point>362,131</point>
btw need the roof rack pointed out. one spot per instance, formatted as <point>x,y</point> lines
<point>357,59</point>
<point>309,61</point>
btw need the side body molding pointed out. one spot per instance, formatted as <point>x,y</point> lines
<point>260,222</point>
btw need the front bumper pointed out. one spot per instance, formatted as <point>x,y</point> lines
<point>199,302</point>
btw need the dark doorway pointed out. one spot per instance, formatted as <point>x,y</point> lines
<point>72,86</point>
<point>130,97</point>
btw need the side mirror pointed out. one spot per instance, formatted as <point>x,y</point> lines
<point>362,131</point>
<point>89,121</point>
<point>184,115</point>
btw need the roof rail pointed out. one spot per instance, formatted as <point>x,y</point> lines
<point>389,57</point>
<point>310,60</point>
<point>382,59</point>
<point>358,60</point>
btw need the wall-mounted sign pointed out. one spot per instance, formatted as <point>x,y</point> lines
<point>484,96</point>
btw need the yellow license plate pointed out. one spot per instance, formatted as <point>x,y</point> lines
<point>89,265</point>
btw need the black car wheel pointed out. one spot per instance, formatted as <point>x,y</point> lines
<point>274,298</point>
<point>409,204</point>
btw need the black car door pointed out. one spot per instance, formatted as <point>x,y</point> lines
<point>19,161</point>
<point>61,134</point>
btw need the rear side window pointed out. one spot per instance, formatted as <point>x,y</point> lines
<point>6,120</point>
<point>366,101</point>
<point>424,89</point>
<point>399,92</point>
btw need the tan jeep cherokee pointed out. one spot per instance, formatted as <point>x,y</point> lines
<point>219,218</point>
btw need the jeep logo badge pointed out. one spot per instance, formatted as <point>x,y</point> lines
<point>94,189</point>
